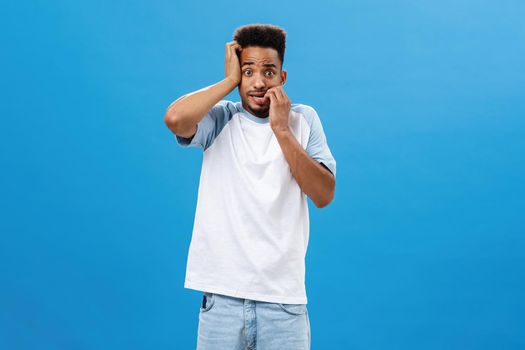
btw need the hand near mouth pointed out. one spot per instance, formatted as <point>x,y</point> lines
<point>279,108</point>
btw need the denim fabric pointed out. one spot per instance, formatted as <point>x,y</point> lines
<point>229,323</point>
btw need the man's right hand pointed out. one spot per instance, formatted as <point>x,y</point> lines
<point>232,66</point>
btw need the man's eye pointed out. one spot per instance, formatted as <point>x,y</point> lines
<point>270,73</point>
<point>247,72</point>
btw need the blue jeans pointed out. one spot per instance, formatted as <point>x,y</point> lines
<point>229,323</point>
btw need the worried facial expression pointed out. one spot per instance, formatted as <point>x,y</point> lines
<point>260,70</point>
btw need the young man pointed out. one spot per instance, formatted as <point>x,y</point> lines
<point>262,157</point>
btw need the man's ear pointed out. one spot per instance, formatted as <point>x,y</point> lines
<point>283,77</point>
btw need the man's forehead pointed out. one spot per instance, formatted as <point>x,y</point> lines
<point>259,55</point>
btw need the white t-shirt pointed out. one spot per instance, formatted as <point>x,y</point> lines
<point>251,226</point>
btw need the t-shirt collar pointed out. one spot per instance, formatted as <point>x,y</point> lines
<point>253,117</point>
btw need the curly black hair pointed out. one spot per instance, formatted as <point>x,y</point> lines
<point>262,35</point>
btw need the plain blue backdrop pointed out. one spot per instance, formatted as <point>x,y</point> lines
<point>423,106</point>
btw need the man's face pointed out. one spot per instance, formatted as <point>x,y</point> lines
<point>260,70</point>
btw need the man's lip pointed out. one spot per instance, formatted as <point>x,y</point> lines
<point>258,94</point>
<point>264,101</point>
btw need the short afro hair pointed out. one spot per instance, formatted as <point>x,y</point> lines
<point>262,35</point>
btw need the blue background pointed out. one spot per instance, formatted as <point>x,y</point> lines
<point>423,106</point>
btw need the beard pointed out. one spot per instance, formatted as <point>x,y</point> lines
<point>259,110</point>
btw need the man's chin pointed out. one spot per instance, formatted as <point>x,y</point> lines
<point>261,108</point>
<point>256,109</point>
<point>261,111</point>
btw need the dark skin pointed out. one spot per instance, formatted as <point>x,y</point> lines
<point>262,94</point>
<point>260,71</point>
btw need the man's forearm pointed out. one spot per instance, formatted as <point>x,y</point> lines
<point>189,109</point>
<point>315,181</point>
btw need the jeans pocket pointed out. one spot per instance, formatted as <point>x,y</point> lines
<point>208,300</point>
<point>294,309</point>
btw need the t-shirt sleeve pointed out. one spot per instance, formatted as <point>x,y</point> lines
<point>210,126</point>
<point>317,146</point>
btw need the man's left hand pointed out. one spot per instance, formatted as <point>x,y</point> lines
<point>279,108</point>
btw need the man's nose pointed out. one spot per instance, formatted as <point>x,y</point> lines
<point>259,82</point>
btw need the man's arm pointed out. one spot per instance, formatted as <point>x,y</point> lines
<point>316,181</point>
<point>183,115</point>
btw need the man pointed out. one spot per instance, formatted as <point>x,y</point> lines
<point>262,157</point>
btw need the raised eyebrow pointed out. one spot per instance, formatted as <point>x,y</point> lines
<point>249,63</point>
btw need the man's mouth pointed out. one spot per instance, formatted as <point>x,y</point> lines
<point>258,98</point>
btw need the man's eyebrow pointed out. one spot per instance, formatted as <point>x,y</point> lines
<point>249,63</point>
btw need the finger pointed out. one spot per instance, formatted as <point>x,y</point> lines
<point>271,90</point>
<point>277,97</point>
<point>271,96</point>
<point>233,44</point>
<point>269,93</point>
<point>234,48</point>
<point>286,99</point>
<point>280,93</point>
<point>277,94</point>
